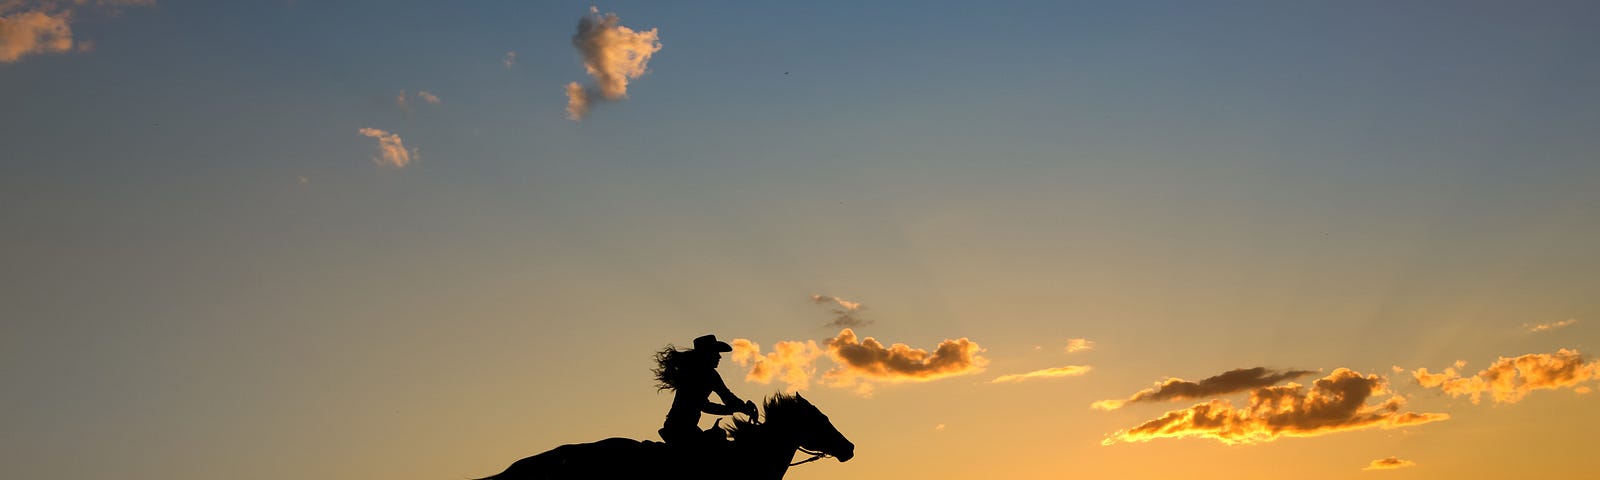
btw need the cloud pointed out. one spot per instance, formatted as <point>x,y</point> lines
<point>861,362</point>
<point>793,363</point>
<point>403,101</point>
<point>1390,463</point>
<point>1335,403</point>
<point>613,55</point>
<point>391,150</point>
<point>1057,372</point>
<point>509,59</point>
<point>847,311</point>
<point>1079,344</point>
<point>1508,380</point>
<point>856,363</point>
<point>37,27</point>
<point>400,101</point>
<point>1232,381</point>
<point>1545,327</point>
<point>577,102</point>
<point>33,33</point>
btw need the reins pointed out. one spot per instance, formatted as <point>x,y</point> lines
<point>814,456</point>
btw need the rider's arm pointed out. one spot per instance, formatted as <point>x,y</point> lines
<point>730,403</point>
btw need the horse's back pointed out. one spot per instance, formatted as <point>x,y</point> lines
<point>610,458</point>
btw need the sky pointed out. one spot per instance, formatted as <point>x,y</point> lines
<point>1033,240</point>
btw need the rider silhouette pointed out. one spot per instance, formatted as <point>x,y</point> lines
<point>692,376</point>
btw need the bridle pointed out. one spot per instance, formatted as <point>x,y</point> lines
<point>815,455</point>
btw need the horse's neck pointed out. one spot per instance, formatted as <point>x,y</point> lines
<point>769,455</point>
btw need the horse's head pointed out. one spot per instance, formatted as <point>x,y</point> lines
<point>809,426</point>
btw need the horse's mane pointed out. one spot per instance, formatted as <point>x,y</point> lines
<point>779,405</point>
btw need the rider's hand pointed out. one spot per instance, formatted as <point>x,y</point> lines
<point>750,408</point>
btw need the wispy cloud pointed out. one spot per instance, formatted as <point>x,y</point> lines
<point>391,150</point>
<point>1079,344</point>
<point>1057,372</point>
<point>847,313</point>
<point>1335,403</point>
<point>1232,381</point>
<point>1390,463</point>
<point>613,55</point>
<point>1545,327</point>
<point>793,363</point>
<point>402,100</point>
<point>864,361</point>
<point>1508,380</point>
<point>39,27</point>
<point>509,59</point>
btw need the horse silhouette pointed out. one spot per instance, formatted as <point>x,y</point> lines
<point>759,450</point>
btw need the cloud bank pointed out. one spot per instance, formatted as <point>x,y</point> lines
<point>1057,372</point>
<point>391,150</point>
<point>1508,380</point>
<point>39,27</point>
<point>613,55</point>
<point>1335,403</point>
<point>1232,381</point>
<point>847,311</point>
<point>1390,463</point>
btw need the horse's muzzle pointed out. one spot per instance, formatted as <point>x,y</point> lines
<point>847,453</point>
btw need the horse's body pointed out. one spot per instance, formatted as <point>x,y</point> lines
<point>758,451</point>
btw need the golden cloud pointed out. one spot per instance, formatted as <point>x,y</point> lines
<point>1079,344</point>
<point>44,27</point>
<point>857,363</point>
<point>1390,463</point>
<point>1057,372</point>
<point>1231,381</point>
<point>793,363</point>
<point>1508,380</point>
<point>1335,403</point>
<point>612,54</point>
<point>32,33</point>
<point>391,150</point>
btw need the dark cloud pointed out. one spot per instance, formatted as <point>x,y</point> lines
<point>1335,403</point>
<point>860,362</point>
<point>1232,381</point>
<point>848,313</point>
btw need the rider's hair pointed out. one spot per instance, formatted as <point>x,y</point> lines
<point>671,365</point>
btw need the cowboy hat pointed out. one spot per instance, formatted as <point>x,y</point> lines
<point>709,343</point>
